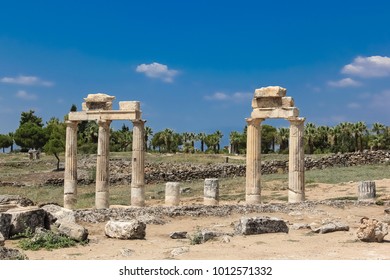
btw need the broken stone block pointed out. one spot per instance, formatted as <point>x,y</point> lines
<point>267,102</point>
<point>8,201</point>
<point>59,213</point>
<point>178,235</point>
<point>27,218</point>
<point>330,227</point>
<point>259,225</point>
<point>5,224</point>
<point>129,105</point>
<point>371,230</point>
<point>132,229</point>
<point>73,231</point>
<point>271,91</point>
<point>11,254</point>
<point>2,239</point>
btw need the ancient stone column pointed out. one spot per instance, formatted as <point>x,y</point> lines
<point>211,191</point>
<point>366,190</point>
<point>172,194</point>
<point>137,165</point>
<point>70,174</point>
<point>253,161</point>
<point>102,166</point>
<point>296,167</point>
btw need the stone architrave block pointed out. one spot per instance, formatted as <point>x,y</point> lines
<point>271,91</point>
<point>287,102</point>
<point>372,230</point>
<point>5,224</point>
<point>260,225</point>
<point>275,113</point>
<point>129,105</point>
<point>73,231</point>
<point>132,229</point>
<point>26,218</point>
<point>267,102</point>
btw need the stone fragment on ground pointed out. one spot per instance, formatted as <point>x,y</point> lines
<point>260,225</point>
<point>2,240</point>
<point>178,235</point>
<point>387,210</point>
<point>8,201</point>
<point>126,252</point>
<point>386,219</point>
<point>59,213</point>
<point>298,226</point>
<point>5,224</point>
<point>11,254</point>
<point>132,229</point>
<point>26,218</point>
<point>179,251</point>
<point>328,227</point>
<point>371,230</point>
<point>73,231</point>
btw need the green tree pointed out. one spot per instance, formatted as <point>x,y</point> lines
<point>56,134</point>
<point>30,117</point>
<point>268,136</point>
<point>201,136</point>
<point>282,138</point>
<point>30,135</point>
<point>5,142</point>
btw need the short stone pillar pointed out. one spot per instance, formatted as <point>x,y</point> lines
<point>138,165</point>
<point>296,166</point>
<point>211,191</point>
<point>366,190</point>
<point>172,194</point>
<point>253,161</point>
<point>102,166</point>
<point>70,173</point>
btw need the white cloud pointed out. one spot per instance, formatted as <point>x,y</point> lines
<point>368,67</point>
<point>26,80</point>
<point>353,105</point>
<point>25,96</point>
<point>157,71</point>
<point>235,97</point>
<point>347,82</point>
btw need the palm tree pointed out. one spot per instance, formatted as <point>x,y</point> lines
<point>358,130</point>
<point>212,142</point>
<point>201,137</point>
<point>219,136</point>
<point>235,140</point>
<point>282,138</point>
<point>310,135</point>
<point>377,128</point>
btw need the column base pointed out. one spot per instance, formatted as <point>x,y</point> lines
<point>294,197</point>
<point>102,200</point>
<point>172,200</point>
<point>253,199</point>
<point>138,196</point>
<point>70,201</point>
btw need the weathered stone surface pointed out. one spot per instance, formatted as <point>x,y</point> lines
<point>386,219</point>
<point>59,213</point>
<point>5,224</point>
<point>8,201</point>
<point>179,251</point>
<point>275,113</point>
<point>99,101</point>
<point>2,239</point>
<point>271,91</point>
<point>26,218</point>
<point>267,102</point>
<point>299,226</point>
<point>387,210</point>
<point>259,225</point>
<point>211,191</point>
<point>371,230</point>
<point>329,227</point>
<point>178,235</point>
<point>129,105</point>
<point>73,231</point>
<point>208,234</point>
<point>366,190</point>
<point>287,102</point>
<point>11,254</point>
<point>132,229</point>
<point>126,252</point>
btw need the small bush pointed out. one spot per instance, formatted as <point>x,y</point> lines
<point>197,238</point>
<point>48,240</point>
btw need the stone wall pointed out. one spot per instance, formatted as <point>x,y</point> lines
<point>120,170</point>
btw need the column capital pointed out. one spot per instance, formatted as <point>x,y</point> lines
<point>254,121</point>
<point>135,122</point>
<point>104,123</point>
<point>296,121</point>
<point>71,123</point>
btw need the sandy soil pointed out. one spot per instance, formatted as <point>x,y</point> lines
<point>297,244</point>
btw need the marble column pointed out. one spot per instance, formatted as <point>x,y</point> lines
<point>211,191</point>
<point>253,161</point>
<point>70,174</point>
<point>138,165</point>
<point>296,167</point>
<point>172,194</point>
<point>102,166</point>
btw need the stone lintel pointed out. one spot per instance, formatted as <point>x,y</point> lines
<point>267,102</point>
<point>275,113</point>
<point>272,91</point>
<point>104,115</point>
<point>129,106</point>
<point>287,101</point>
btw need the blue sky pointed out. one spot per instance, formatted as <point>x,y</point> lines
<point>194,65</point>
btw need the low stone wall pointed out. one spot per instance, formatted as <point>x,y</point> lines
<point>120,170</point>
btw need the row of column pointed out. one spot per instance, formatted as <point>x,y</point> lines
<point>296,176</point>
<point>102,165</point>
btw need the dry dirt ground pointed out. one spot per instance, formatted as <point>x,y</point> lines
<point>299,244</point>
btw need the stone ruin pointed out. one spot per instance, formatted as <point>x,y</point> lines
<point>98,107</point>
<point>272,102</point>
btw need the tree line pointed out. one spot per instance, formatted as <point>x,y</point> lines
<point>32,133</point>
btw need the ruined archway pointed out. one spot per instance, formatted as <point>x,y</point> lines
<point>98,107</point>
<point>272,102</point>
